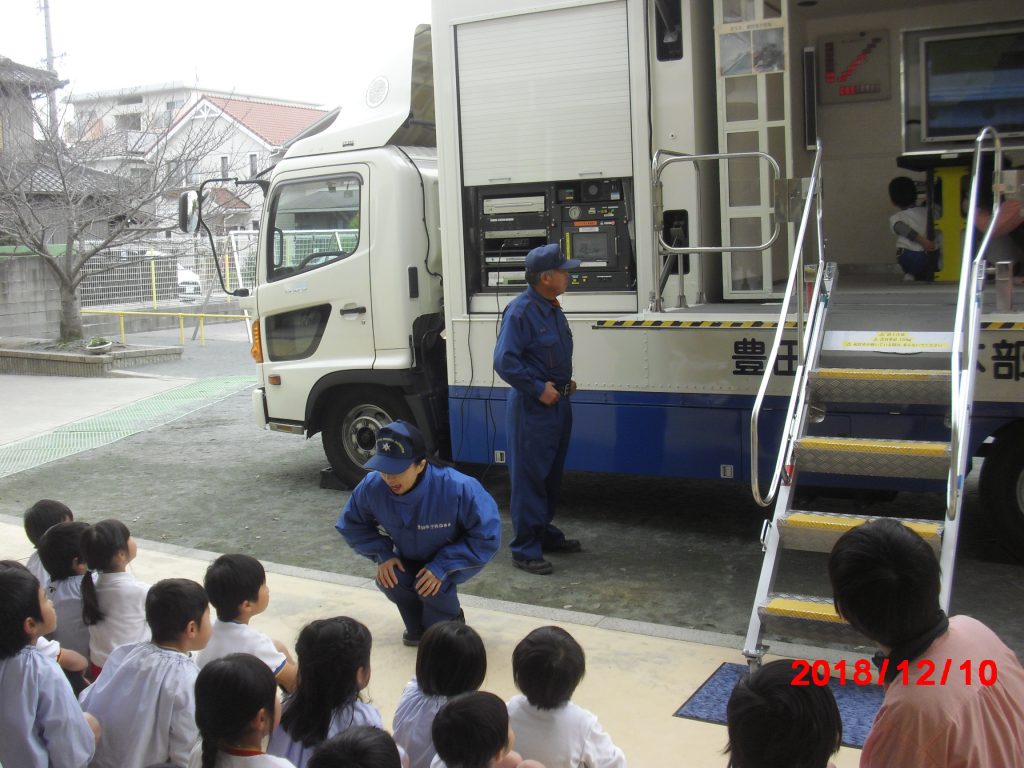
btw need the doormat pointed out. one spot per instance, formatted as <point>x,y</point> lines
<point>858,704</point>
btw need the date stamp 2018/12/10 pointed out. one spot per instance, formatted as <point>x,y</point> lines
<point>926,671</point>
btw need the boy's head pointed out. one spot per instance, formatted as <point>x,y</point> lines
<point>885,581</point>
<point>903,192</point>
<point>772,722</point>
<point>547,665</point>
<point>177,612</point>
<point>471,730</point>
<point>237,584</point>
<point>362,746</point>
<point>450,660</point>
<point>60,550</point>
<point>25,613</point>
<point>42,515</point>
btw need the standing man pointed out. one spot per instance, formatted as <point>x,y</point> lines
<point>534,355</point>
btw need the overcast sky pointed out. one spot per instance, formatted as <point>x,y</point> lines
<point>289,49</point>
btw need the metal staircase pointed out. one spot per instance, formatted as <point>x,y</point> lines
<point>816,388</point>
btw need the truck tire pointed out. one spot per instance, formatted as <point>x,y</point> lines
<point>1002,488</point>
<point>350,431</point>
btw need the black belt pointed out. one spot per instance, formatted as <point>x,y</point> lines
<point>563,389</point>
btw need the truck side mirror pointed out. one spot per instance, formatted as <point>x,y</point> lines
<point>188,211</point>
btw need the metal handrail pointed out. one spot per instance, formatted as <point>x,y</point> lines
<point>968,319</point>
<point>796,400</point>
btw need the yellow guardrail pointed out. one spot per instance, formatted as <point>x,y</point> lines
<point>180,315</point>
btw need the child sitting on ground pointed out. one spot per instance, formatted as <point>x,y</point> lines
<point>473,731</point>
<point>915,253</point>
<point>334,666</point>
<point>773,722</point>
<point>450,660</point>
<point>547,665</point>
<point>145,696</point>
<point>38,519</point>
<point>361,747</point>
<point>60,551</point>
<point>41,724</point>
<point>236,708</point>
<point>114,605</point>
<point>237,586</point>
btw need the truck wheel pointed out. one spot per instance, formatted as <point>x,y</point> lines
<point>1002,488</point>
<point>350,432</point>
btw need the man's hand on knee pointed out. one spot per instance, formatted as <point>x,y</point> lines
<point>427,584</point>
<point>386,573</point>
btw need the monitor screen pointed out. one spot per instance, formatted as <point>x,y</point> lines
<point>970,81</point>
<point>591,246</point>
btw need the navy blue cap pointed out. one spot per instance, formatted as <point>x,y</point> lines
<point>547,257</point>
<point>399,444</point>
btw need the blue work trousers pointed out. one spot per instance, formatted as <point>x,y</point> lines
<point>420,612</point>
<point>538,440</point>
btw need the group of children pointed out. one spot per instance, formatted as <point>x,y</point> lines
<point>159,683</point>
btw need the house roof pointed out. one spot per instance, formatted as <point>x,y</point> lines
<point>39,80</point>
<point>274,123</point>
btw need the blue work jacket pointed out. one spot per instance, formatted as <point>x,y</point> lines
<point>534,344</point>
<point>447,521</point>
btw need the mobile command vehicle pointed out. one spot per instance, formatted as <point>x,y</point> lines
<point>693,155</point>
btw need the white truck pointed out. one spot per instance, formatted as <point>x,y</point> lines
<point>392,240</point>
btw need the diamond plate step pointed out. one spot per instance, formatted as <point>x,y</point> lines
<point>872,457</point>
<point>818,531</point>
<point>809,619</point>
<point>880,385</point>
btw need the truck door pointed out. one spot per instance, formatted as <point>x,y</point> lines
<point>314,295</point>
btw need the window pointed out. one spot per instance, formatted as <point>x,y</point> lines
<point>295,335</point>
<point>135,99</point>
<point>668,30</point>
<point>128,122</point>
<point>313,224</point>
<point>224,166</point>
<point>253,165</point>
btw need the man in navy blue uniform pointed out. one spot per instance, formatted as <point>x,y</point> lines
<point>534,355</point>
<point>427,527</point>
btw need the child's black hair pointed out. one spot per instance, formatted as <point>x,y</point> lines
<point>547,665</point>
<point>362,746</point>
<point>451,659</point>
<point>230,692</point>
<point>100,544</point>
<point>43,515</point>
<point>231,580</point>
<point>772,722</point>
<point>903,192</point>
<point>171,604</point>
<point>21,601</point>
<point>329,653</point>
<point>59,547</point>
<point>470,730</point>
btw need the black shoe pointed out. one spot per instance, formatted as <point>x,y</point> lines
<point>539,567</point>
<point>410,640</point>
<point>565,546</point>
<point>461,618</point>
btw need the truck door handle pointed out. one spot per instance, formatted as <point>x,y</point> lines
<point>352,311</point>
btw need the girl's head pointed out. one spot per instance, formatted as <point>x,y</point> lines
<point>362,746</point>
<point>60,550</point>
<point>451,660</point>
<point>236,703</point>
<point>334,666</point>
<point>25,613</point>
<point>106,546</point>
<point>472,730</point>
<point>547,665</point>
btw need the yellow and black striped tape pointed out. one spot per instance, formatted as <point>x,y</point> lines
<point>656,324</point>
<point>1002,326</point>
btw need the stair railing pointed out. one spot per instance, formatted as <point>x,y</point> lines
<point>805,340</point>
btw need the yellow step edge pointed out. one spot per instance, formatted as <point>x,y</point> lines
<point>880,374</point>
<point>862,445</point>
<point>811,521</point>
<point>788,608</point>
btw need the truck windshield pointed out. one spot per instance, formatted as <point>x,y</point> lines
<point>312,224</point>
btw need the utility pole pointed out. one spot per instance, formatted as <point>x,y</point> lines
<point>51,96</point>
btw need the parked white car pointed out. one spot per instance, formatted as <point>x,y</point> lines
<point>190,288</point>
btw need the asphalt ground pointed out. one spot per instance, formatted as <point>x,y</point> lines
<point>671,552</point>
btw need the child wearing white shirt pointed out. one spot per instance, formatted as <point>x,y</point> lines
<point>473,731</point>
<point>60,549</point>
<point>38,519</point>
<point>360,747</point>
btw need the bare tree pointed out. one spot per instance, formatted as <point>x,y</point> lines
<point>68,202</point>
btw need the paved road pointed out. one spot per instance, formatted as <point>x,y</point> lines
<point>682,553</point>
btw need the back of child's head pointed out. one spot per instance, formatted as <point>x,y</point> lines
<point>171,604</point>
<point>60,549</point>
<point>451,659</point>
<point>20,590</point>
<point>231,580</point>
<point>43,515</point>
<point>470,730</point>
<point>774,724</point>
<point>362,746</point>
<point>903,191</point>
<point>230,692</point>
<point>330,653</point>
<point>547,665</point>
<point>100,545</point>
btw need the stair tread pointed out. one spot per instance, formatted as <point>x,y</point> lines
<point>832,521</point>
<point>875,445</point>
<point>799,607</point>
<point>900,374</point>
